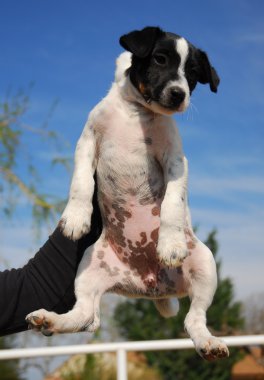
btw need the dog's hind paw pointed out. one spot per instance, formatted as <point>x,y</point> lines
<point>40,320</point>
<point>212,348</point>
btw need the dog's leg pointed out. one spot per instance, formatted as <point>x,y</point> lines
<point>166,308</point>
<point>200,267</point>
<point>76,218</point>
<point>82,317</point>
<point>95,276</point>
<point>172,249</point>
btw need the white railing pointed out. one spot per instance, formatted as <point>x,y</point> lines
<point>121,349</point>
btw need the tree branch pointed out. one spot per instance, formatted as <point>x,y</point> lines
<point>34,198</point>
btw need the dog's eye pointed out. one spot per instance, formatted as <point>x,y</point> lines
<point>160,59</point>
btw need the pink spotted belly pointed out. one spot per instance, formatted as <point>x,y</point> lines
<point>132,231</point>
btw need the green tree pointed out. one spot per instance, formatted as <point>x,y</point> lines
<point>139,320</point>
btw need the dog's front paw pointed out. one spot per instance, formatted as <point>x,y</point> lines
<point>172,255</point>
<point>75,221</point>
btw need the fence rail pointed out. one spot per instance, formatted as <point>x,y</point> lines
<point>121,349</point>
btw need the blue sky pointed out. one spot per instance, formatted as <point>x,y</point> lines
<point>68,49</point>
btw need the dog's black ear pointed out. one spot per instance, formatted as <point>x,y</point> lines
<point>141,42</point>
<point>207,73</point>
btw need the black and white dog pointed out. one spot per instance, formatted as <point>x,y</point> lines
<point>147,247</point>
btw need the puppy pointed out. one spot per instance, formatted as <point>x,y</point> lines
<point>147,247</point>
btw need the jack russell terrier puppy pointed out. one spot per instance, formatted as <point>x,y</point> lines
<point>147,247</point>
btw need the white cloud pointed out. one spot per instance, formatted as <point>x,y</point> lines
<point>237,161</point>
<point>257,38</point>
<point>219,186</point>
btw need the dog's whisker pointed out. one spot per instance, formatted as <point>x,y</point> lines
<point>194,108</point>
<point>190,111</point>
<point>189,114</point>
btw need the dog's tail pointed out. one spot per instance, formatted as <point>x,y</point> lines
<point>166,307</point>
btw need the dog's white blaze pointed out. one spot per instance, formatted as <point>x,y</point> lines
<point>182,49</point>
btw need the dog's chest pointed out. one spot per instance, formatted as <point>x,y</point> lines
<point>129,144</point>
<point>129,174</point>
<point>131,187</point>
<point>127,139</point>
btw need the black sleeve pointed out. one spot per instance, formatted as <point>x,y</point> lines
<point>46,281</point>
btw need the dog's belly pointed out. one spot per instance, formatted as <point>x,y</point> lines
<point>130,206</point>
<point>130,197</point>
<point>130,191</point>
<point>131,230</point>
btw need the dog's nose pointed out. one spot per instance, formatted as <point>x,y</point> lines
<point>177,95</point>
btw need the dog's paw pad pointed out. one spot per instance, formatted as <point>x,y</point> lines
<point>212,349</point>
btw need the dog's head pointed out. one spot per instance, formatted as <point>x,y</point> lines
<point>165,68</point>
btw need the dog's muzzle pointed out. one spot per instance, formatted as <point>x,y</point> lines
<point>171,99</point>
<point>174,99</point>
<point>177,96</point>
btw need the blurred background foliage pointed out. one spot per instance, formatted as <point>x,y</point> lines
<point>20,177</point>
